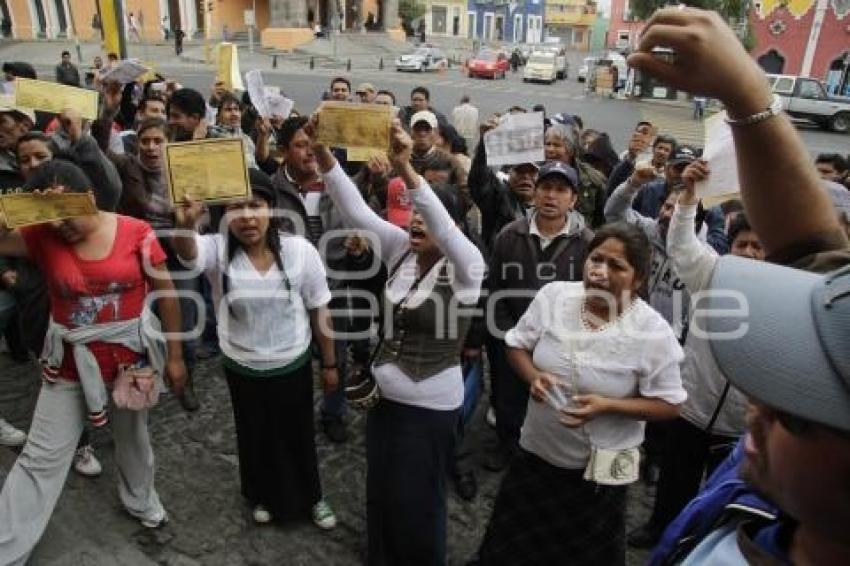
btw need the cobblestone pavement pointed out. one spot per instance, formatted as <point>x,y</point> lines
<point>197,478</point>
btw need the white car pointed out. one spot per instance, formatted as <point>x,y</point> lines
<point>423,59</point>
<point>541,66</point>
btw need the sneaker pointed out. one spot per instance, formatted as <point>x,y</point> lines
<point>490,417</point>
<point>86,463</point>
<point>155,522</point>
<point>335,430</point>
<point>10,436</point>
<point>262,515</point>
<point>323,515</point>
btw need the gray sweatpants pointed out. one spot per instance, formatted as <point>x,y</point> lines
<point>35,481</point>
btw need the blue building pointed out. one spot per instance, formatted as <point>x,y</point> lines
<point>517,21</point>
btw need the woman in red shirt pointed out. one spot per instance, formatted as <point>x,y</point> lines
<point>99,270</point>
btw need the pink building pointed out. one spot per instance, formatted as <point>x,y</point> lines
<point>794,37</point>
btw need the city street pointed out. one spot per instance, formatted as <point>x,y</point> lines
<point>197,467</point>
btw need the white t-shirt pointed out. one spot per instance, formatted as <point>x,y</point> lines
<point>267,324</point>
<point>636,356</point>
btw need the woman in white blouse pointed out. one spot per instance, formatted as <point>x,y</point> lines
<point>599,362</point>
<point>434,282</point>
<point>271,296</point>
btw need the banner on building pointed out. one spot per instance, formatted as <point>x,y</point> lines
<point>227,66</point>
<point>112,20</point>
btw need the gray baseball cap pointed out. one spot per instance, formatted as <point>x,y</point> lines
<point>793,352</point>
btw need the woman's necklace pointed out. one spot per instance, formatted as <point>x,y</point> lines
<point>588,319</point>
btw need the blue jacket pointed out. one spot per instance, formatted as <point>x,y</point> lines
<point>725,494</point>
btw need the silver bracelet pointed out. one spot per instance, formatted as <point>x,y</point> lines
<point>774,110</point>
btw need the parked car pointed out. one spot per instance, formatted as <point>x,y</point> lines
<point>586,69</point>
<point>541,66</point>
<point>423,59</point>
<point>492,64</point>
<point>806,99</point>
<point>561,64</point>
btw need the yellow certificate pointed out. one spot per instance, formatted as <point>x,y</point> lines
<point>25,209</point>
<point>211,170</point>
<point>56,98</point>
<point>364,127</point>
<point>363,153</point>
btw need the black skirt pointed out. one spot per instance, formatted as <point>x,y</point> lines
<point>408,453</point>
<point>278,466</point>
<point>545,515</point>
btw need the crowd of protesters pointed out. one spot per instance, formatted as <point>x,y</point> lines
<point>606,298</point>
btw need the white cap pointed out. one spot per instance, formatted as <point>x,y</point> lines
<point>424,116</point>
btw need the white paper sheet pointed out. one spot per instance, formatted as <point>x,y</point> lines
<point>257,92</point>
<point>722,184</point>
<point>125,71</point>
<point>517,139</point>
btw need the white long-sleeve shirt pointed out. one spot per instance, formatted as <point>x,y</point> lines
<point>443,391</point>
<point>694,262</point>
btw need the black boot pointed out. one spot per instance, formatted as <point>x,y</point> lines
<point>188,399</point>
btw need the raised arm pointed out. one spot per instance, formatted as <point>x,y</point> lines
<point>782,195</point>
<point>356,213</point>
<point>692,260</point>
<point>461,252</point>
<point>619,207</point>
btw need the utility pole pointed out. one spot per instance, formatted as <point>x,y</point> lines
<point>207,6</point>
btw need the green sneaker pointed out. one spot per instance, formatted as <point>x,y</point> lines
<point>323,515</point>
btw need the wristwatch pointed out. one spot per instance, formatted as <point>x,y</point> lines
<point>773,110</point>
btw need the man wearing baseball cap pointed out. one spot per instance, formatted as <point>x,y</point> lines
<point>648,202</point>
<point>366,92</point>
<point>783,340</point>
<point>424,128</point>
<point>500,202</point>
<point>549,245</point>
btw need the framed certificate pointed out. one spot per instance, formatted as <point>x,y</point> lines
<point>26,209</point>
<point>210,170</point>
<point>53,97</point>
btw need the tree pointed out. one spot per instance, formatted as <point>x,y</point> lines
<point>409,10</point>
<point>731,10</point>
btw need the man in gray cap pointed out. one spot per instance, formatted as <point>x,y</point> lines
<point>778,334</point>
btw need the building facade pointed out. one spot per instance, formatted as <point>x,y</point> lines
<point>284,23</point>
<point>446,18</point>
<point>624,28</point>
<point>571,21</point>
<point>519,21</point>
<point>804,37</point>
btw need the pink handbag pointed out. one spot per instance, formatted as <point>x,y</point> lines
<point>136,388</point>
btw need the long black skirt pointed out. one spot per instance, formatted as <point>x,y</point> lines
<point>278,466</point>
<point>408,453</point>
<point>548,515</point>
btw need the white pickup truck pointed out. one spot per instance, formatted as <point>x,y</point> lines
<point>806,99</point>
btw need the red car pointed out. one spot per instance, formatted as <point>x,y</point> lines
<point>489,64</point>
